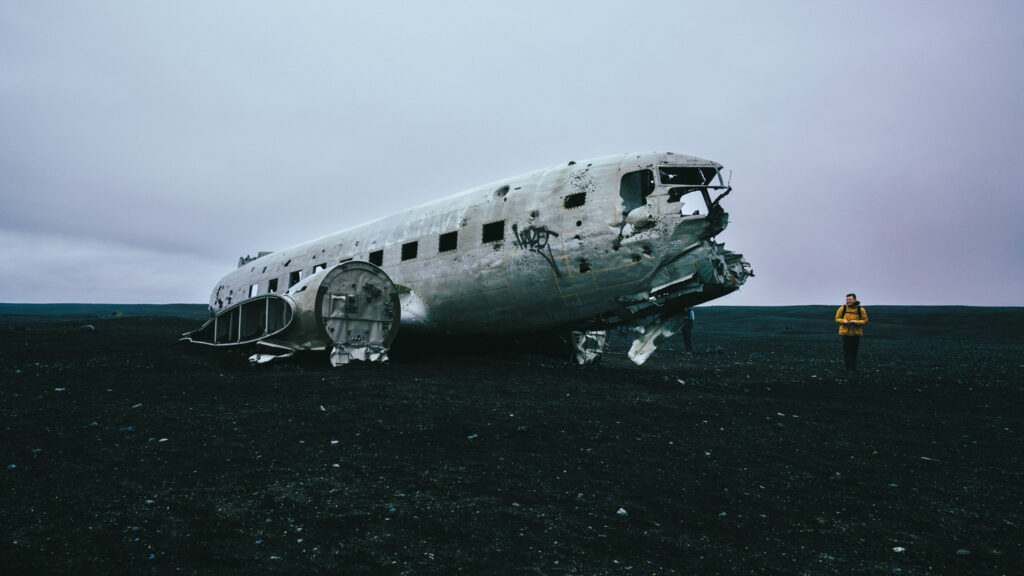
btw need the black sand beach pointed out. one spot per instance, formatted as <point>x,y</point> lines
<point>125,452</point>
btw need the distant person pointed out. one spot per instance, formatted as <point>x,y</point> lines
<point>688,330</point>
<point>851,318</point>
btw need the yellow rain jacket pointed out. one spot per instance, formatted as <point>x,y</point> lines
<point>858,315</point>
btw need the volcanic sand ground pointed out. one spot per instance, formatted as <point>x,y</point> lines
<point>125,452</point>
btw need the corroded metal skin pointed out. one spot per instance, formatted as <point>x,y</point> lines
<point>625,239</point>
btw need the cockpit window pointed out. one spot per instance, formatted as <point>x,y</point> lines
<point>634,189</point>
<point>687,175</point>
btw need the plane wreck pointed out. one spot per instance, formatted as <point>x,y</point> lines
<point>627,240</point>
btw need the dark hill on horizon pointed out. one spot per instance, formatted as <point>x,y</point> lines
<point>885,321</point>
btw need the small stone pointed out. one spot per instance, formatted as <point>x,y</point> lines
<point>963,552</point>
<point>622,512</point>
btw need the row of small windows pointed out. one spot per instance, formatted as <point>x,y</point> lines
<point>294,277</point>
<point>633,185</point>
<point>447,242</point>
<point>491,232</point>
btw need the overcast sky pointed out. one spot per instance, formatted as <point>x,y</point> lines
<point>144,146</point>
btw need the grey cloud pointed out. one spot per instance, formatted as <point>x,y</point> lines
<point>195,132</point>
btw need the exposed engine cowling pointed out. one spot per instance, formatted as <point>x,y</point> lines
<point>352,309</point>
<point>247,322</point>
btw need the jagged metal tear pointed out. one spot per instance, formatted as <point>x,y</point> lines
<point>716,267</point>
<point>653,334</point>
<point>588,345</point>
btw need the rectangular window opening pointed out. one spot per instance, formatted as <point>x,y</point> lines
<point>634,189</point>
<point>448,242</point>
<point>409,250</point>
<point>272,287</point>
<point>254,290</point>
<point>494,231</point>
<point>319,267</point>
<point>687,175</point>
<point>377,258</point>
<point>294,278</point>
<point>575,200</point>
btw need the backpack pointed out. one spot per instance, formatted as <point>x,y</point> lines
<point>860,311</point>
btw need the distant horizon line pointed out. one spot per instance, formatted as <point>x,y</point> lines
<point>708,305</point>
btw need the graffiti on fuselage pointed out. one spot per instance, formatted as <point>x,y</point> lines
<point>536,239</point>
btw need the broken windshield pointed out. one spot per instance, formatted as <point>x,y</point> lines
<point>692,200</point>
<point>687,175</point>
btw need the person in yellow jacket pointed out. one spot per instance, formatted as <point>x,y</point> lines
<point>851,319</point>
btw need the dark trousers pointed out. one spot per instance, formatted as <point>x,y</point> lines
<point>850,346</point>
<point>688,336</point>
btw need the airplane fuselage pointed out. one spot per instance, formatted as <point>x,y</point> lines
<point>585,244</point>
